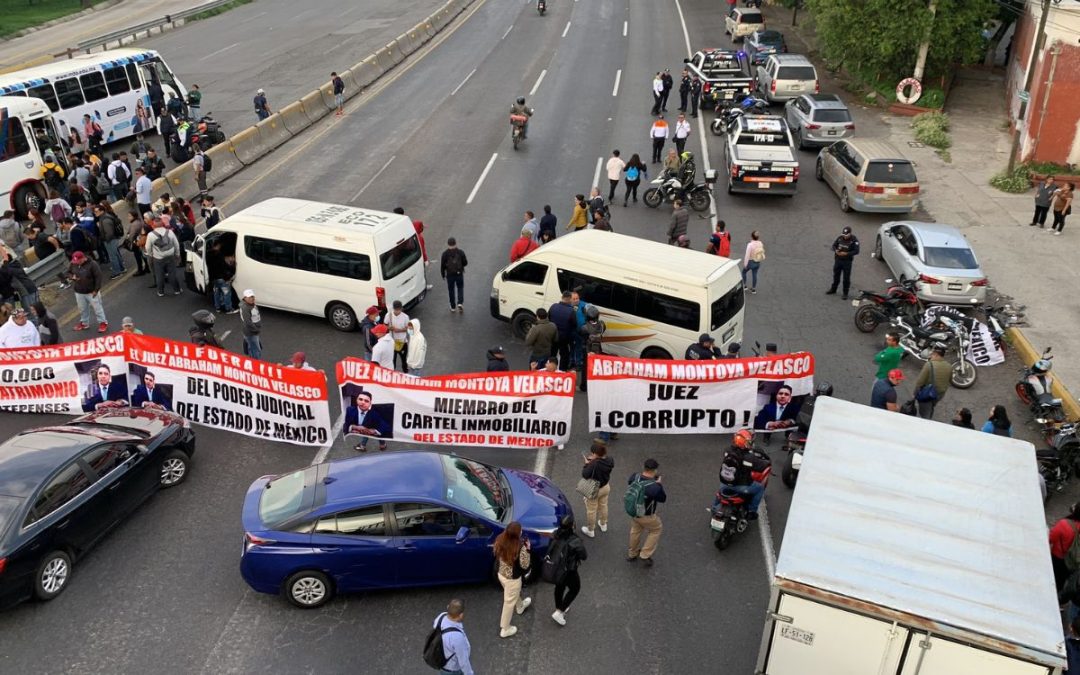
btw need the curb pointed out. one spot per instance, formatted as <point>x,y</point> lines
<point>1030,355</point>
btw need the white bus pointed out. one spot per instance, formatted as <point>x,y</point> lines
<point>27,131</point>
<point>113,87</point>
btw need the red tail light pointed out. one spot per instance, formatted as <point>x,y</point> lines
<point>251,540</point>
<point>380,296</point>
<point>734,171</point>
<point>909,190</point>
<point>796,173</point>
<point>812,126</point>
<point>928,280</point>
<point>817,87</point>
<point>772,86</point>
<point>981,282</point>
<point>3,564</point>
<point>849,126</point>
<point>706,87</point>
<point>869,189</point>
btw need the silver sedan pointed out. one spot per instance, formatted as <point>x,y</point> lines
<point>936,255</point>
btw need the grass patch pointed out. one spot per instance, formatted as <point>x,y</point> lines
<point>1017,181</point>
<point>932,129</point>
<point>16,15</point>
<point>218,10</point>
<point>1049,168</point>
<point>932,98</point>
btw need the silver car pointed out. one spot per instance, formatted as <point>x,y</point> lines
<point>818,119</point>
<point>938,256</point>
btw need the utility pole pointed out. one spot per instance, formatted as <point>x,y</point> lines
<point>1040,37</point>
<point>924,48</point>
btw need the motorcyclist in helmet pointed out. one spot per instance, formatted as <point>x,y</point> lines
<point>737,468</point>
<point>519,108</point>
<point>1040,379</point>
<point>687,169</point>
<point>705,348</point>
<point>202,333</point>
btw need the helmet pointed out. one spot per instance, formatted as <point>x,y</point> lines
<point>1042,366</point>
<point>743,439</point>
<point>686,156</point>
<point>823,389</point>
<point>204,319</point>
<point>521,100</point>
<point>592,313</point>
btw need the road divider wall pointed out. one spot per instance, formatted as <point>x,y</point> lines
<point>294,118</point>
<point>182,181</point>
<point>224,162</point>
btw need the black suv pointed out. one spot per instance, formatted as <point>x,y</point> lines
<point>63,488</point>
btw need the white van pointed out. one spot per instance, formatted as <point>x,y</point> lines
<point>315,258</point>
<point>656,299</point>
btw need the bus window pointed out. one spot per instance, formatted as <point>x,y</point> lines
<point>13,141</point>
<point>115,80</point>
<point>21,92</point>
<point>93,86</point>
<point>69,93</point>
<point>45,93</point>
<point>133,76</point>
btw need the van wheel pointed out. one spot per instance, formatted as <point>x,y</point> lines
<point>521,323</point>
<point>27,198</point>
<point>845,203</point>
<point>341,317</point>
<point>655,353</point>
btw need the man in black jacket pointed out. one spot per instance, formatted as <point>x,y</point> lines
<point>564,317</point>
<point>705,348</point>
<point>496,361</point>
<point>452,267</point>
<point>684,90</point>
<point>845,248</point>
<point>669,84</point>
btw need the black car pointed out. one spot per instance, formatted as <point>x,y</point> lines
<point>63,488</point>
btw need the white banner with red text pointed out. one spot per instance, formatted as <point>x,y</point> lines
<point>506,410</point>
<point>695,397</point>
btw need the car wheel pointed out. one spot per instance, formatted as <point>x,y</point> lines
<point>174,469</point>
<point>308,589</point>
<point>521,324</point>
<point>877,250</point>
<point>819,170</point>
<point>655,353</point>
<point>341,317</point>
<point>845,204</point>
<point>52,576</point>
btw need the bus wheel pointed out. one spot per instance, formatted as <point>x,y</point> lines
<point>26,198</point>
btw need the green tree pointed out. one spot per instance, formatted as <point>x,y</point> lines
<point>881,37</point>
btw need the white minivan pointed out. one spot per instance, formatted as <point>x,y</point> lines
<point>315,258</point>
<point>656,299</point>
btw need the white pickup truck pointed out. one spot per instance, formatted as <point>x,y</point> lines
<point>760,157</point>
<point>912,548</point>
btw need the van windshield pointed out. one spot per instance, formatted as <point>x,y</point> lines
<point>727,307</point>
<point>890,172</point>
<point>400,258</point>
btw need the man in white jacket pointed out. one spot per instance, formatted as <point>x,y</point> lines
<point>417,349</point>
<point>19,332</point>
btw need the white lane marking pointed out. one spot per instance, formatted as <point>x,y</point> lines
<point>618,78</point>
<point>223,49</point>
<point>700,125</point>
<point>225,335</point>
<point>480,180</point>
<point>507,32</point>
<point>541,461</point>
<point>766,541</point>
<point>320,456</point>
<point>372,179</point>
<point>463,82</point>
<point>566,30</point>
<point>596,174</point>
<point>538,81</point>
<point>625,26</point>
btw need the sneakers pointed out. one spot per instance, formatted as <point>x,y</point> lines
<point>80,326</point>
<point>453,309</point>
<point>603,527</point>
<point>117,275</point>
<point>753,291</point>
<point>461,307</point>
<point>233,311</point>
<point>520,609</point>
<point>507,632</point>
<point>631,558</point>
<point>65,284</point>
<point>103,327</point>
<point>558,617</point>
<point>831,291</point>
<point>177,292</point>
<point>160,294</point>
<point>587,532</point>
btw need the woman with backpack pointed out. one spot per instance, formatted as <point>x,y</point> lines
<point>566,551</point>
<point>635,171</point>
<point>57,207</point>
<point>512,555</point>
<point>1062,538</point>
<point>998,423</point>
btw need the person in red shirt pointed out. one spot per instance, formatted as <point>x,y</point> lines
<point>524,245</point>
<point>1062,535</point>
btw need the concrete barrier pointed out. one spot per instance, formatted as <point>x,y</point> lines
<point>365,73</point>
<point>429,28</point>
<point>408,42</point>
<point>294,118</point>
<point>315,104</point>
<point>1029,355</point>
<point>182,181</point>
<point>440,18</point>
<point>387,57</point>
<point>226,163</point>
<point>247,146</point>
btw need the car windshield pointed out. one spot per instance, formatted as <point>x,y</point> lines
<point>770,39</point>
<point>832,115</point>
<point>287,495</point>
<point>9,506</point>
<point>890,172</point>
<point>950,258</point>
<point>752,17</point>
<point>124,424</point>
<point>400,258</point>
<point>796,73</point>
<point>476,487</point>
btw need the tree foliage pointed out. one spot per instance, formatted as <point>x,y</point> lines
<point>882,37</point>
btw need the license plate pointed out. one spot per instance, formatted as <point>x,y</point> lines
<point>764,186</point>
<point>956,287</point>
<point>892,191</point>
<point>796,87</point>
<point>855,303</point>
<point>832,132</point>
<point>729,95</point>
<point>717,524</point>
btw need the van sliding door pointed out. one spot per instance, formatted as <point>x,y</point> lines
<point>947,657</point>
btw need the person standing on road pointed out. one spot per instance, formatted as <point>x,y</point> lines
<point>367,331</point>
<point>167,130</point>
<point>417,349</point>
<point>684,89</point>
<point>567,579</point>
<point>541,339</point>
<point>1062,535</point>
<point>648,523</point>
<point>844,248</point>
<point>938,373</point>
<point>455,643</point>
<point>452,267</point>
<point>118,177</point>
<point>221,271</point>
<point>720,241</point>
<point>669,84</point>
<point>112,232</point>
<point>153,165</point>
<point>657,93</point>
<point>194,102</point>
<point>695,95</point>
<point>883,395</point>
<point>86,280</point>
<point>682,132</point>
<point>598,467</point>
<point>163,249</point>
<point>680,219</point>
<point>210,213</point>
<point>523,245</point>
<point>1062,204</point>
<point>752,259</point>
<point>251,318</point>
<point>1044,191</point>
<point>889,357</point>
<point>262,106</point>
<point>143,191</point>
<point>579,219</point>
<point>383,352</point>
<point>338,85</point>
<point>565,319</point>
<point>615,166</point>
<point>512,552</point>
<point>398,323</point>
<point>658,133</point>
<point>496,361</point>
<point>532,226</point>
<point>198,164</point>
<point>635,170</point>
<point>998,423</point>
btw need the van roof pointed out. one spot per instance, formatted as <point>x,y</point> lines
<point>635,254</point>
<point>876,150</point>
<point>301,215</point>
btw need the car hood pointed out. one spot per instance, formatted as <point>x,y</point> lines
<point>538,503</point>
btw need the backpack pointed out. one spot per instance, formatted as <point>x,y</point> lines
<point>162,245</point>
<point>207,163</point>
<point>453,263</point>
<point>52,177</point>
<point>634,499</point>
<point>720,244</point>
<point>633,173</point>
<point>554,567</point>
<point>117,228</point>
<point>102,186</point>
<point>57,212</point>
<point>434,655</point>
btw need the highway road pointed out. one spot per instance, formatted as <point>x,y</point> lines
<point>163,592</point>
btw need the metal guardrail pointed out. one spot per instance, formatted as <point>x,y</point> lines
<point>46,271</point>
<point>118,36</point>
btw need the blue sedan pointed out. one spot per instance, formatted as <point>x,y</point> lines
<point>388,521</point>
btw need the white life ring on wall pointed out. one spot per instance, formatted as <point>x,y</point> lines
<point>902,89</point>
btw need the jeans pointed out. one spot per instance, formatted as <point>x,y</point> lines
<point>253,346</point>
<point>926,409</point>
<point>455,284</point>
<point>841,269</point>
<point>566,590</point>
<point>140,259</point>
<point>85,301</point>
<point>403,355</point>
<point>166,266</point>
<point>1040,215</point>
<point>261,114</point>
<point>631,190</point>
<point>222,295</point>
<point>117,263</point>
<point>752,268</point>
<point>756,492</point>
<point>195,111</point>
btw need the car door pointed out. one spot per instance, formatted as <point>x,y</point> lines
<point>69,511</point>
<point>355,547</point>
<point>431,551</point>
<point>900,252</point>
<point>124,482</point>
<point>832,165</point>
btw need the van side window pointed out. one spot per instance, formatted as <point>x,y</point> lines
<point>528,273</point>
<point>344,264</point>
<point>116,80</point>
<point>270,251</point>
<point>646,304</point>
<point>668,310</point>
<point>14,139</point>
<point>725,308</point>
<point>93,86</point>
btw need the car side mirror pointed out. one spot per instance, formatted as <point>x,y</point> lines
<point>686,60</point>
<point>503,275</point>
<point>462,535</point>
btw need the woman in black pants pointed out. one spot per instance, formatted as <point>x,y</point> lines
<point>635,171</point>
<point>567,580</point>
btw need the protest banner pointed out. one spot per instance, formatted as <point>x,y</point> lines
<point>524,409</point>
<point>691,397</point>
<point>64,378</point>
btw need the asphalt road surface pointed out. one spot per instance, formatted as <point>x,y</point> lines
<point>164,592</point>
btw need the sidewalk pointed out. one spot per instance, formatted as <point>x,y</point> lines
<point>38,47</point>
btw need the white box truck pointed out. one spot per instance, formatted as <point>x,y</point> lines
<point>912,548</point>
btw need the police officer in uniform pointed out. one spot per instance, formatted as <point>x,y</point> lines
<point>845,248</point>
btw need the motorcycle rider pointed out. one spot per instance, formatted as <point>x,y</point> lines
<point>736,471</point>
<point>687,169</point>
<point>705,349</point>
<point>519,108</point>
<point>202,333</point>
<point>1040,380</point>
